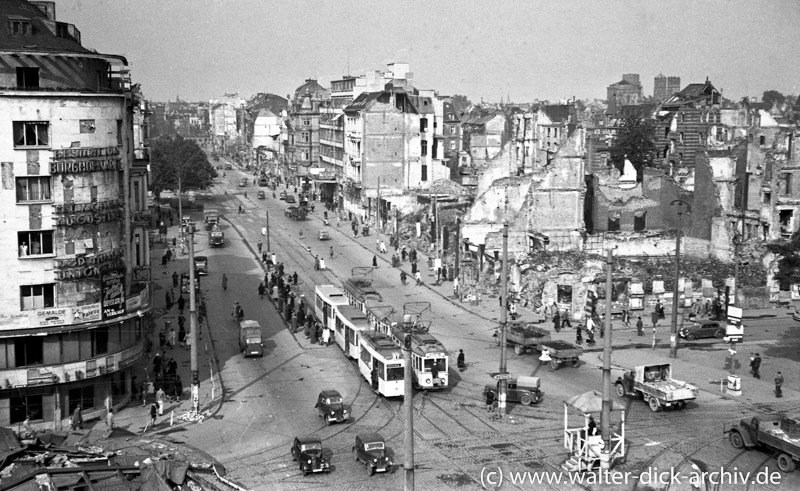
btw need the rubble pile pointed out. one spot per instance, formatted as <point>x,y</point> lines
<point>194,416</point>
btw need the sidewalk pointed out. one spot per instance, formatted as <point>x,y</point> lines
<point>136,416</point>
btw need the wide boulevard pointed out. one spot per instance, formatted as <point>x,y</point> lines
<point>270,400</point>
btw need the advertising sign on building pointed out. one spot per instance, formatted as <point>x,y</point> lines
<point>86,313</point>
<point>113,294</point>
<point>50,317</point>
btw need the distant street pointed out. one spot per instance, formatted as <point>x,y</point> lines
<point>268,401</point>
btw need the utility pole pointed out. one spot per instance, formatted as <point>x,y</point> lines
<point>378,210</point>
<point>269,249</point>
<point>408,403</point>
<point>605,420</point>
<point>501,397</point>
<point>673,333</point>
<point>458,250</point>
<point>739,237</point>
<point>180,209</point>
<point>193,326</point>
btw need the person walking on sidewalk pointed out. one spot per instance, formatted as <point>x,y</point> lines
<point>403,277</point>
<point>171,338</point>
<point>260,245</point>
<point>418,277</point>
<point>557,321</point>
<point>181,302</point>
<point>383,247</point>
<point>639,326</point>
<point>157,364</point>
<point>261,290</point>
<point>153,414</point>
<point>175,279</point>
<point>626,318</point>
<point>331,253</point>
<point>755,365</point>
<point>778,385</point>
<point>110,419</point>
<point>77,416</point>
<point>224,282</point>
<point>168,299</point>
<point>374,261</point>
<point>460,361</point>
<point>565,319</point>
<point>160,395</point>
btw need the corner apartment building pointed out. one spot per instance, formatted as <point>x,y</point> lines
<point>305,109</point>
<point>74,251</point>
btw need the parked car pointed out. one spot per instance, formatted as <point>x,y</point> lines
<point>262,182</point>
<point>261,195</point>
<point>370,450</point>
<point>330,407</point>
<point>524,390</point>
<point>243,182</point>
<point>219,167</point>
<point>282,196</point>
<point>703,329</point>
<point>323,235</point>
<point>308,451</point>
<point>228,167</point>
<point>290,198</point>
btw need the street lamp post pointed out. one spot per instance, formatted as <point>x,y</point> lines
<point>193,325</point>
<point>673,334</point>
<point>503,385</point>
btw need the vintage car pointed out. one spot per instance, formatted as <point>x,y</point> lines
<point>228,167</point>
<point>330,407</point>
<point>295,213</point>
<point>261,195</point>
<point>370,450</point>
<point>243,183</point>
<point>290,198</point>
<point>282,196</point>
<point>262,183</point>
<point>703,329</point>
<point>201,265</point>
<point>219,167</point>
<point>323,235</point>
<point>308,451</point>
<point>524,390</point>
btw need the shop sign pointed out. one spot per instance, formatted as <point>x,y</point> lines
<point>88,266</point>
<point>86,313</point>
<point>113,286</point>
<point>50,317</point>
<point>80,160</point>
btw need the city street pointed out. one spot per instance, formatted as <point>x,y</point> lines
<point>270,400</point>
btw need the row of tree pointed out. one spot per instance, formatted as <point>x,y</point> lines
<point>174,159</point>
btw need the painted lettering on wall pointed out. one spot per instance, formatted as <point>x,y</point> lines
<point>88,266</point>
<point>79,160</point>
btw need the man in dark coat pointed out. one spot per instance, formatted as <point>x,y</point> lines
<point>557,321</point>
<point>755,365</point>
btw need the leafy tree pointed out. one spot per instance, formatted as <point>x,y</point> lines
<point>461,103</point>
<point>772,96</point>
<point>635,140</point>
<point>174,157</point>
<point>788,263</point>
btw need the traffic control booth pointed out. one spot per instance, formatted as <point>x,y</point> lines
<point>586,451</point>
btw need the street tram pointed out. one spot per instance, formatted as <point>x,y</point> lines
<point>380,362</point>
<point>359,290</point>
<point>428,356</point>
<point>328,299</point>
<point>349,323</point>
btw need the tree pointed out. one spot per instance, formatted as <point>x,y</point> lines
<point>772,96</point>
<point>173,157</point>
<point>788,263</point>
<point>635,141</point>
<point>460,103</point>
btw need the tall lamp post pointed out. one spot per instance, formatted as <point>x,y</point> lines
<point>673,333</point>
<point>503,375</point>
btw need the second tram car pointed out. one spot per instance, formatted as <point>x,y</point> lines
<point>350,322</point>
<point>381,363</point>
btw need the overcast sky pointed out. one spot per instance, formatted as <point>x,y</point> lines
<point>484,49</point>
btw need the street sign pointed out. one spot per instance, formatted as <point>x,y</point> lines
<point>501,376</point>
<point>734,313</point>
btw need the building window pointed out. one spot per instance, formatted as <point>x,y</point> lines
<point>613,223</point>
<point>424,149</point>
<point>639,221</point>
<point>306,122</point>
<point>787,183</point>
<point>423,125</point>
<point>20,406</point>
<point>680,138</point>
<point>21,27</point>
<point>424,173</point>
<point>452,129</point>
<point>27,78</point>
<point>31,134</point>
<point>452,145</point>
<point>35,297</point>
<point>100,341</point>
<point>304,137</point>
<point>33,189</point>
<point>119,132</point>
<point>304,156</point>
<point>83,396</point>
<point>35,243</point>
<point>28,351</point>
<point>87,126</point>
<point>767,198</point>
<point>762,140</point>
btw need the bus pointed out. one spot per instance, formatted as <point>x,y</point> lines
<point>380,362</point>
<point>328,299</point>
<point>428,356</point>
<point>349,323</point>
<point>359,290</point>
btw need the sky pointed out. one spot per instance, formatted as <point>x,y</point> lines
<point>488,50</point>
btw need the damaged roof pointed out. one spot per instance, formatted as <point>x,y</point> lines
<point>559,113</point>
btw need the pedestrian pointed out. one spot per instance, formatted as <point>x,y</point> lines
<point>172,367</point>
<point>403,253</point>
<point>153,414</point>
<point>181,302</point>
<point>565,319</point>
<point>378,243</point>
<point>374,261</point>
<point>240,209</point>
<point>175,279</point>
<point>260,245</point>
<point>164,260</point>
<point>418,277</point>
<point>331,252</point>
<point>639,326</point>
<point>626,318</point>
<point>316,262</point>
<point>778,385</point>
<point>557,321</point>
<point>383,247</point>
<point>755,365</point>
<point>110,419</point>
<point>294,278</point>
<point>171,337</point>
<point>160,395</point>
<point>578,336</point>
<point>326,336</point>
<point>264,229</point>
<point>182,335</point>
<point>169,254</point>
<point>414,268</point>
<point>261,290</point>
<point>174,242</point>
<point>168,299</point>
<point>77,416</point>
<point>224,281</point>
<point>489,395</point>
<point>162,339</point>
<point>403,277</point>
<point>157,364</point>
<point>460,362</point>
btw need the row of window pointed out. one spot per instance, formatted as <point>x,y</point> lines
<point>36,134</point>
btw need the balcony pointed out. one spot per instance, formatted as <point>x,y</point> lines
<point>68,372</point>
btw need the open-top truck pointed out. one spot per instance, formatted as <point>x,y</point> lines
<point>211,218</point>
<point>525,336</point>
<point>777,433</point>
<point>654,383</point>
